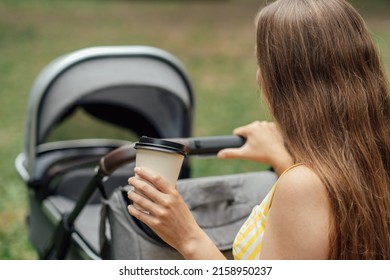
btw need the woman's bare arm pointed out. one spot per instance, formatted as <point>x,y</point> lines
<point>299,218</point>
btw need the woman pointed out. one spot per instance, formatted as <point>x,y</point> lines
<point>322,78</point>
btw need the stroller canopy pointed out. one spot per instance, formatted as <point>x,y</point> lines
<point>114,84</point>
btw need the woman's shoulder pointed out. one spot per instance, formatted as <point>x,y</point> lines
<point>299,218</point>
<point>301,180</point>
<point>301,188</point>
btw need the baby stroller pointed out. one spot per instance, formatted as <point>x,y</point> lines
<point>77,183</point>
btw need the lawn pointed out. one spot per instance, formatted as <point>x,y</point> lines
<point>214,40</point>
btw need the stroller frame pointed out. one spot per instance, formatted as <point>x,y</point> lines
<point>63,176</point>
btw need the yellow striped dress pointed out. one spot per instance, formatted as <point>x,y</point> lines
<point>248,242</point>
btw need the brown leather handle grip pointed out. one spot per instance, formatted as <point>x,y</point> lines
<point>116,158</point>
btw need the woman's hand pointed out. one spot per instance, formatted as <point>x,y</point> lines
<point>168,216</point>
<point>264,143</point>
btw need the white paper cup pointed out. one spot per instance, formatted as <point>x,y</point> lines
<point>162,157</point>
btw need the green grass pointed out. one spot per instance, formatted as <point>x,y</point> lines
<point>214,40</point>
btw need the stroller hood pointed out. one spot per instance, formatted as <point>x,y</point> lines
<point>109,83</point>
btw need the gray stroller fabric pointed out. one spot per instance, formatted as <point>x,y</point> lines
<point>220,205</point>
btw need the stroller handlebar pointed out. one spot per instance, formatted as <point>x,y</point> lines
<point>209,145</point>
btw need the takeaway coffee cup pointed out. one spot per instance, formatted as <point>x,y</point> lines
<point>162,157</point>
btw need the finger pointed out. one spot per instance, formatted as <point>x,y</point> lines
<point>143,202</point>
<point>241,131</point>
<point>140,215</point>
<point>156,180</point>
<point>246,129</point>
<point>145,188</point>
<point>152,193</point>
<point>230,153</point>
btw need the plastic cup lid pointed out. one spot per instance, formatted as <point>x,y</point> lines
<point>160,145</point>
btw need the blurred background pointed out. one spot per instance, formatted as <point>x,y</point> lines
<point>214,39</point>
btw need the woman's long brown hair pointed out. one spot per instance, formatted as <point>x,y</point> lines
<point>322,77</point>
